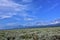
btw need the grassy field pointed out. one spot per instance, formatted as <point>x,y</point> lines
<point>31,34</point>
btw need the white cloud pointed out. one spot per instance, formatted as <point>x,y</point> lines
<point>10,8</point>
<point>28,19</point>
<point>5,16</point>
<point>55,22</point>
<point>11,24</point>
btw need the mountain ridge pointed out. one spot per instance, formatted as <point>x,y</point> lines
<point>55,23</point>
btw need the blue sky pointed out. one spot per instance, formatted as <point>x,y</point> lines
<point>28,12</point>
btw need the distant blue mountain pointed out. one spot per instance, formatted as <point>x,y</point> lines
<point>38,26</point>
<point>56,23</point>
<point>45,26</point>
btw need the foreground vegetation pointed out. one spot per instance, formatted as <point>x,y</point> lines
<point>31,34</point>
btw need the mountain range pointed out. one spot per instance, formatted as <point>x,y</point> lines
<point>55,23</point>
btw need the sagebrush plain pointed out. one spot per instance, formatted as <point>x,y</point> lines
<point>31,34</point>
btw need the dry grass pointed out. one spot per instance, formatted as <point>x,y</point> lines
<point>31,34</point>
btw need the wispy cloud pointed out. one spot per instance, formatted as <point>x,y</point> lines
<point>8,8</point>
<point>12,24</point>
<point>3,17</point>
<point>27,0</point>
<point>51,8</point>
<point>28,19</point>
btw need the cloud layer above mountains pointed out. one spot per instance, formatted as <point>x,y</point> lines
<point>28,12</point>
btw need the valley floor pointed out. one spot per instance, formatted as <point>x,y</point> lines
<point>31,34</point>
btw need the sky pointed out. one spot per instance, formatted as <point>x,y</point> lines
<point>28,12</point>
